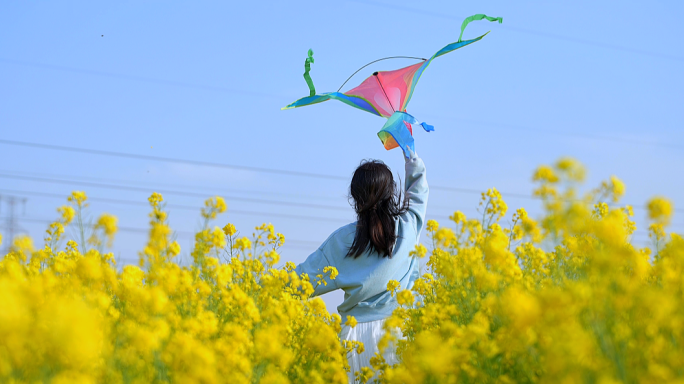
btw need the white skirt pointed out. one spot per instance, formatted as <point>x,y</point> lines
<point>369,334</point>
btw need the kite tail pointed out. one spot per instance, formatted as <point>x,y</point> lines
<point>476,18</point>
<point>307,77</point>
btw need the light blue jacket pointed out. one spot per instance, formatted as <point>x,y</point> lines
<point>364,279</point>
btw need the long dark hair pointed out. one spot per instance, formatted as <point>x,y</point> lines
<point>377,202</point>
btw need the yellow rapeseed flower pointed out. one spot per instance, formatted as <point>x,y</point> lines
<point>458,217</point>
<point>419,251</point>
<point>174,248</point>
<point>280,239</point>
<point>405,297</point>
<point>108,223</point>
<point>445,237</point>
<point>67,212</point>
<point>218,238</point>
<point>351,321</point>
<point>572,168</point>
<point>23,243</point>
<point>332,270</point>
<point>229,229</point>
<point>242,244</point>
<point>660,210</point>
<point>392,286</point>
<point>213,206</point>
<point>495,203</point>
<point>271,257</point>
<point>545,174</point>
<point>55,231</point>
<point>155,199</point>
<point>79,197</point>
<point>290,266</point>
<point>617,188</point>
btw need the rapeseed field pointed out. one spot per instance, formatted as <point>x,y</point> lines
<point>561,298</point>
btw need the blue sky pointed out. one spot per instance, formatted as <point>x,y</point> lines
<point>205,81</point>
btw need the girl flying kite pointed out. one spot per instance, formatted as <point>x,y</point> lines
<point>376,248</point>
<point>372,251</point>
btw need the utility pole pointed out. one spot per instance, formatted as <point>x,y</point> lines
<point>11,224</point>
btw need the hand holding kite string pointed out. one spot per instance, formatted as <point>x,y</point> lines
<point>387,93</point>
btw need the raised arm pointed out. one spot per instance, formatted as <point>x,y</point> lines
<point>416,190</point>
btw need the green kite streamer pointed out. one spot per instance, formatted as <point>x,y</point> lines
<point>307,77</point>
<point>475,18</point>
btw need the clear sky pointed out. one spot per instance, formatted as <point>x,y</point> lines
<point>601,81</point>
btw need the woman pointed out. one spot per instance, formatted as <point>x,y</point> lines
<point>372,251</point>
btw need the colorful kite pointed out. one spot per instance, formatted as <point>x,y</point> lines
<point>387,93</point>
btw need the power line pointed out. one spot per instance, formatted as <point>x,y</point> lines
<point>221,165</point>
<point>182,193</point>
<point>171,160</point>
<point>524,30</point>
<point>192,208</point>
<point>181,207</point>
<point>170,192</point>
<point>78,179</point>
<point>231,211</point>
<point>212,164</point>
<point>192,186</point>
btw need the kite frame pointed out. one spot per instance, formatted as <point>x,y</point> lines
<point>349,99</point>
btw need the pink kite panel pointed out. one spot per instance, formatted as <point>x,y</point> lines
<point>398,82</point>
<point>395,85</point>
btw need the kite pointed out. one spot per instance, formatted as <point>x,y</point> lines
<point>387,93</point>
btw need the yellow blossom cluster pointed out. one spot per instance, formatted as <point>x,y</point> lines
<point>564,297</point>
<point>68,315</point>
